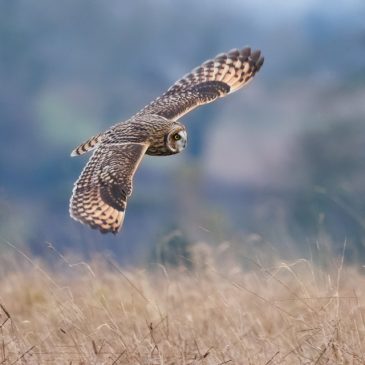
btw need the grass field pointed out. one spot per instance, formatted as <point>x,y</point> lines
<point>220,312</point>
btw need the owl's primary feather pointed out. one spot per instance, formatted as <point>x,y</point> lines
<point>215,78</point>
<point>100,194</point>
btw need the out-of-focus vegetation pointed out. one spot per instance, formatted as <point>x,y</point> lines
<point>283,159</point>
<point>220,312</point>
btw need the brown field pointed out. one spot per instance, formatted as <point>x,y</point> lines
<point>220,312</point>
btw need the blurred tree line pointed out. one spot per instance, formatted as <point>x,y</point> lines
<point>71,69</point>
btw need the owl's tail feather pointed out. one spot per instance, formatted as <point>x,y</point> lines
<point>90,144</point>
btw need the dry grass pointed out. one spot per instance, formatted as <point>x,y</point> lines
<point>98,314</point>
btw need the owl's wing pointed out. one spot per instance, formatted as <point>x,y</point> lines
<point>215,78</point>
<point>100,194</point>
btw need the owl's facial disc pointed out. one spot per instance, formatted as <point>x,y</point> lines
<point>181,138</point>
<point>177,140</point>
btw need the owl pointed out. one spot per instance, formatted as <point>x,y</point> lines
<point>100,195</point>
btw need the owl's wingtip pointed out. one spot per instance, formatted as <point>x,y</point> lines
<point>259,63</point>
<point>96,220</point>
<point>103,230</point>
<point>112,230</point>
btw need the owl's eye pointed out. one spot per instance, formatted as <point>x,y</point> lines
<point>177,137</point>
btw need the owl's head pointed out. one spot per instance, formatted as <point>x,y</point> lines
<point>176,139</point>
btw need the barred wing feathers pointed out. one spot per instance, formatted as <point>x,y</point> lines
<point>100,194</point>
<point>215,78</point>
<point>88,145</point>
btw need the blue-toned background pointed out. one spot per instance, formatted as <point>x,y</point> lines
<point>281,162</point>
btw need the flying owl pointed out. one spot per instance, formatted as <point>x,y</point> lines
<point>100,194</point>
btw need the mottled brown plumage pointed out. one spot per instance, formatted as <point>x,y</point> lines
<point>100,194</point>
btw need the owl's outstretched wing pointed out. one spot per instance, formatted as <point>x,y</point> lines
<point>100,194</point>
<point>215,78</point>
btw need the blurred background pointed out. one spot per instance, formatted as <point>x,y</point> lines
<point>280,163</point>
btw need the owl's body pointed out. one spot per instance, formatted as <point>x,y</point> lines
<point>100,194</point>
